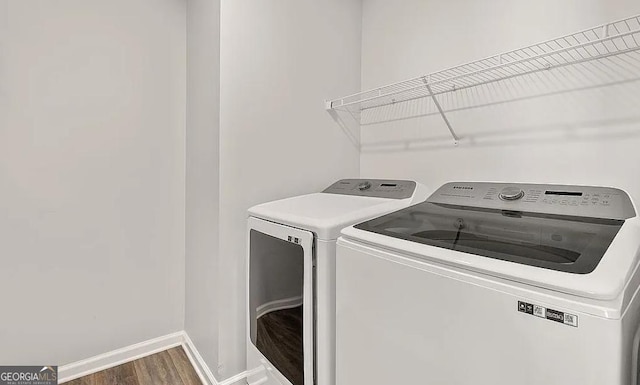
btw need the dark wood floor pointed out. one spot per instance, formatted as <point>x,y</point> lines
<point>280,340</point>
<point>170,367</point>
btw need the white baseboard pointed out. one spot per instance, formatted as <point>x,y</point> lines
<point>201,367</point>
<point>279,304</point>
<point>133,352</point>
<point>118,357</point>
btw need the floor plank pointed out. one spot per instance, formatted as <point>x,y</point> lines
<point>170,367</point>
<point>120,375</point>
<point>183,365</point>
<point>279,338</point>
<point>86,380</point>
<point>157,369</point>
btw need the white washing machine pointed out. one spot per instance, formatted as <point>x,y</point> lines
<point>492,284</point>
<point>291,276</point>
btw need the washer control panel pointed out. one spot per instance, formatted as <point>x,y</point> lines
<point>377,188</point>
<point>584,201</point>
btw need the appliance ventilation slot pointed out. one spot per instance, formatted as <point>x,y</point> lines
<point>604,55</point>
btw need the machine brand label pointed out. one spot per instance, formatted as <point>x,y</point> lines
<point>550,314</point>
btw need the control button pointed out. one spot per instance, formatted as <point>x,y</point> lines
<point>571,320</point>
<point>522,306</point>
<point>511,193</point>
<point>364,186</point>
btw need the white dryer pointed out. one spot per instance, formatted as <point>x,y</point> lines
<point>493,284</point>
<point>291,276</point>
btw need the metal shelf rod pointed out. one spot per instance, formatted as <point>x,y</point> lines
<point>594,57</point>
<point>496,67</point>
<point>460,88</point>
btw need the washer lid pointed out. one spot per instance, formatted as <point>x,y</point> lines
<point>326,214</point>
<point>563,243</point>
<point>590,256</point>
<point>606,282</point>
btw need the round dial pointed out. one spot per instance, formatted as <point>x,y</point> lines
<point>364,186</point>
<point>511,193</point>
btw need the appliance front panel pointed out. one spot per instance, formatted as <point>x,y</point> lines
<point>280,298</point>
<point>398,324</point>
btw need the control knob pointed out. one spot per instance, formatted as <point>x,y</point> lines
<point>364,186</point>
<point>511,193</point>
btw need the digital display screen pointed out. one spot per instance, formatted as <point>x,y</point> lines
<point>388,185</point>
<point>565,193</point>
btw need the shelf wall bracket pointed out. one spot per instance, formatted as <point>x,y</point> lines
<point>456,138</point>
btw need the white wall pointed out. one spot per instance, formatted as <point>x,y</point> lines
<point>92,175</point>
<point>279,60</point>
<point>414,37</point>
<point>202,189</point>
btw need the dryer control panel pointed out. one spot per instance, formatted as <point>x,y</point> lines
<point>582,201</point>
<point>377,188</point>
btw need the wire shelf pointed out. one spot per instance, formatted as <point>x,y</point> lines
<point>607,54</point>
